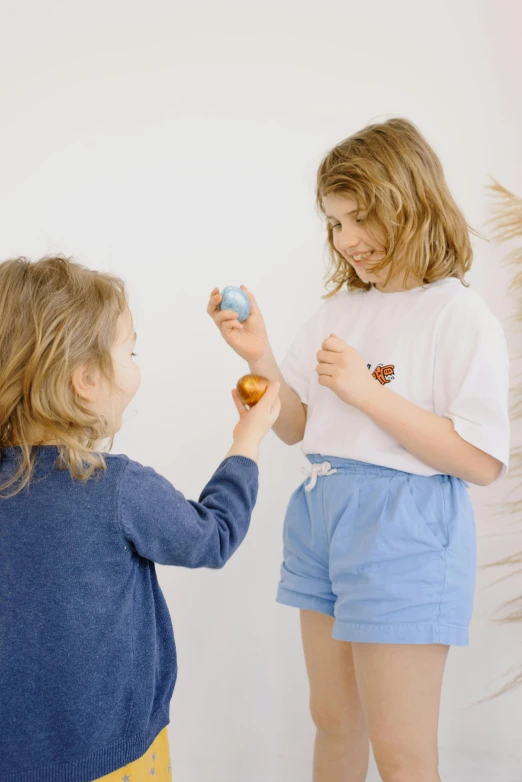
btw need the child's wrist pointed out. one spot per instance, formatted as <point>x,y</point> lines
<point>372,399</point>
<point>265,364</point>
<point>247,447</point>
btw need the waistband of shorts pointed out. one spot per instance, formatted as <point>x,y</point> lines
<point>353,466</point>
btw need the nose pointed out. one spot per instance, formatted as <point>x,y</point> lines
<point>347,240</point>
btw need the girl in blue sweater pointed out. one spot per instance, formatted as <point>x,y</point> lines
<point>87,654</point>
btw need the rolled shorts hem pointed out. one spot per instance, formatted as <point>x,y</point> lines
<point>408,633</point>
<point>308,602</point>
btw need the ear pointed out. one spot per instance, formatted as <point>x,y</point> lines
<point>84,383</point>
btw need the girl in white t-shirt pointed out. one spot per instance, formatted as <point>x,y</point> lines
<point>397,388</point>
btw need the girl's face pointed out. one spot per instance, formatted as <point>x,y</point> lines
<point>127,375</point>
<point>353,242</point>
<point>102,397</point>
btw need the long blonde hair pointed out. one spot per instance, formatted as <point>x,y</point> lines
<point>55,316</point>
<point>396,178</point>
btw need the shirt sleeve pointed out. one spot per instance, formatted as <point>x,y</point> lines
<point>472,376</point>
<point>166,528</point>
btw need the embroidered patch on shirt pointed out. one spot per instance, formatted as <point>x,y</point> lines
<point>384,374</point>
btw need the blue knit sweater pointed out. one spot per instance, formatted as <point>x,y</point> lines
<point>87,654</point>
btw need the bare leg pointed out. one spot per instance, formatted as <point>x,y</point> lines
<point>341,745</point>
<point>400,688</point>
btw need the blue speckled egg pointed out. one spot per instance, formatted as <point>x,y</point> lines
<point>236,300</point>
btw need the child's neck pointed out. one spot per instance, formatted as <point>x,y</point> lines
<point>38,437</point>
<point>397,284</point>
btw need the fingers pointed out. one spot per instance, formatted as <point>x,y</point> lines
<point>276,409</point>
<point>225,320</point>
<point>272,391</point>
<point>335,344</point>
<point>273,400</point>
<point>213,309</point>
<point>224,316</point>
<point>214,302</point>
<point>325,380</point>
<point>326,357</point>
<point>216,298</point>
<point>229,326</point>
<point>269,401</point>
<point>254,309</point>
<point>270,396</point>
<point>325,369</point>
<point>241,408</point>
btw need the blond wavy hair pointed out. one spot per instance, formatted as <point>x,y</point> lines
<point>397,180</point>
<point>55,316</point>
<point>506,220</point>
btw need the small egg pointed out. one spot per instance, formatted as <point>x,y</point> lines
<point>251,388</point>
<point>235,299</point>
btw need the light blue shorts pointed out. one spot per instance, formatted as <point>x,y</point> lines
<point>390,555</point>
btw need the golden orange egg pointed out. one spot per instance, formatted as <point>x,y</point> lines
<point>251,388</point>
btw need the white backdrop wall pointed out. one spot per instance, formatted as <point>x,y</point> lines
<point>176,144</point>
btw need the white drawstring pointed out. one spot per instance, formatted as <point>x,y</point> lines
<point>316,471</point>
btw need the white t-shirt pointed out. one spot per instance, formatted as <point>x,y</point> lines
<point>438,346</point>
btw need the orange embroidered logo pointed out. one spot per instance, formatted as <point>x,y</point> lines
<point>384,374</point>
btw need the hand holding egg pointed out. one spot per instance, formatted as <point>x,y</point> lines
<point>235,299</point>
<point>264,406</point>
<point>240,322</point>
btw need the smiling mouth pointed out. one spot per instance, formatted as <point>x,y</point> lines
<point>360,259</point>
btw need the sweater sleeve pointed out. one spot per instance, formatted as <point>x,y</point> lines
<point>166,528</point>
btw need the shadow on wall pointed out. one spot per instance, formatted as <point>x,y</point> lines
<point>507,223</point>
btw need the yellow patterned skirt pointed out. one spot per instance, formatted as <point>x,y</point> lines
<point>153,766</point>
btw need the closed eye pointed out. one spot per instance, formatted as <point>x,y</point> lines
<point>358,220</point>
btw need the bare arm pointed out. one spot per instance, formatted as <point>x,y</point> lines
<point>429,437</point>
<point>291,423</point>
<point>250,341</point>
